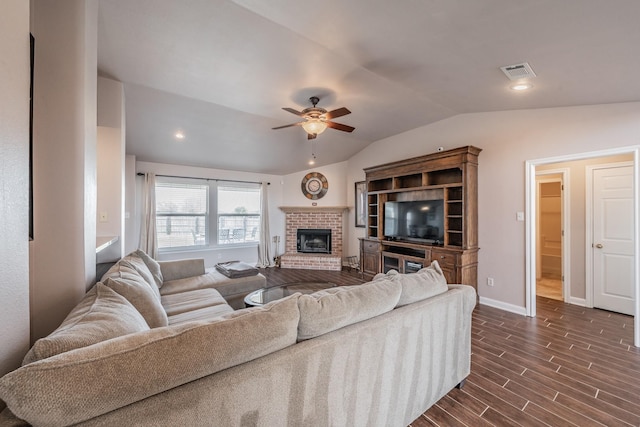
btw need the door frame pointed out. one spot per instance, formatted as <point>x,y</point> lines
<point>565,213</point>
<point>588,262</point>
<point>530,226</point>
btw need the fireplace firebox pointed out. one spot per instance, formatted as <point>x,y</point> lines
<point>314,240</point>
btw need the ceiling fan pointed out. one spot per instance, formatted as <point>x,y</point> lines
<point>318,119</point>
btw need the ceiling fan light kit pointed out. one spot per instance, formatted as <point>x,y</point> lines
<point>317,119</point>
<point>314,126</point>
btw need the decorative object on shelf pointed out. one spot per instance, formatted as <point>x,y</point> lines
<point>361,205</point>
<point>316,119</point>
<point>314,185</point>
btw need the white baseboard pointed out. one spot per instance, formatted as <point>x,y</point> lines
<point>503,306</point>
<point>578,301</point>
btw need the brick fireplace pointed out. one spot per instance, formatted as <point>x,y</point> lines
<point>328,218</point>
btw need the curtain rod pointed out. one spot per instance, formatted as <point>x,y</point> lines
<point>207,179</point>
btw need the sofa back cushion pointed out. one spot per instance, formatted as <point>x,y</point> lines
<point>425,283</point>
<point>138,265</point>
<point>331,309</point>
<point>140,295</point>
<point>101,315</point>
<point>152,265</point>
<point>82,384</point>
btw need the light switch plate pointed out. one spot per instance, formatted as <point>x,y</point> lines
<point>519,216</point>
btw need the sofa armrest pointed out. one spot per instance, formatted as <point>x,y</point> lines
<point>181,269</point>
<point>470,296</point>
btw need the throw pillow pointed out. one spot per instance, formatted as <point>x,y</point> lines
<point>152,265</point>
<point>137,264</point>
<point>101,315</point>
<point>425,283</point>
<point>328,310</point>
<point>141,296</point>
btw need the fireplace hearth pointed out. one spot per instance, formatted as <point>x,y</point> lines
<point>313,240</point>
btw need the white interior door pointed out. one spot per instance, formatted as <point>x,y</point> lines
<point>613,239</point>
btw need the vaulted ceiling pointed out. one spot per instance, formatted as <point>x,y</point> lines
<point>221,71</point>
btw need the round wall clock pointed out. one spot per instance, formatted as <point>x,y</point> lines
<point>314,185</point>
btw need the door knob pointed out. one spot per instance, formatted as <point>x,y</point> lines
<point>599,245</point>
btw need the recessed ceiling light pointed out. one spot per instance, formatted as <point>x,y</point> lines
<point>179,135</point>
<point>521,86</point>
<point>312,162</point>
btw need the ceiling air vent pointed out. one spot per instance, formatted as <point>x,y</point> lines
<point>518,71</point>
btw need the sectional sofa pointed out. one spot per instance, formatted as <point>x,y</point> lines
<point>153,345</point>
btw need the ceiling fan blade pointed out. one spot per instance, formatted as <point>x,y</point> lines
<point>337,113</point>
<point>288,126</point>
<point>292,111</point>
<point>340,126</point>
<point>311,136</point>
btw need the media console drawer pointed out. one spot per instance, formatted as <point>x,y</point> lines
<point>445,259</point>
<point>370,246</point>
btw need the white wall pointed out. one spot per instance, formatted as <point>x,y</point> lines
<point>110,103</point>
<point>131,224</point>
<point>110,183</point>
<point>63,252</point>
<point>248,253</point>
<point>111,166</point>
<point>336,194</point>
<point>14,176</point>
<point>508,139</point>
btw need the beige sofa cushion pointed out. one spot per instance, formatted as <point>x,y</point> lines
<point>152,265</point>
<point>214,279</point>
<point>137,264</point>
<point>140,295</point>
<point>101,315</point>
<point>181,269</point>
<point>425,283</point>
<point>331,309</point>
<point>82,384</point>
<point>232,290</point>
<point>191,300</point>
<point>205,313</point>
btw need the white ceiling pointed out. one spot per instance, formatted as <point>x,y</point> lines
<point>221,71</point>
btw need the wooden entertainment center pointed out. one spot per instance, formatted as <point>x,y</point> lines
<point>451,176</point>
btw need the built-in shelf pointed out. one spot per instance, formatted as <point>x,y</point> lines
<point>103,242</point>
<point>450,176</point>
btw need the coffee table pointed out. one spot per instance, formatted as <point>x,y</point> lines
<point>266,295</point>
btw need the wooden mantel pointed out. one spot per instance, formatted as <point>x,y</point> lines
<point>299,209</point>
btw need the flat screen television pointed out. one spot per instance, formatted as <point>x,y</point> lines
<point>420,221</point>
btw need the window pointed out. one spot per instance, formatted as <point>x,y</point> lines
<point>238,213</point>
<point>193,213</point>
<point>181,214</point>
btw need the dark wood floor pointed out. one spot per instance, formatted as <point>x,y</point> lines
<point>569,366</point>
<point>280,276</point>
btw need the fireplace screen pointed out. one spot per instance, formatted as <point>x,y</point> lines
<point>314,240</point>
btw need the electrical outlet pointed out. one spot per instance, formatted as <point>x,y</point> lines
<point>489,281</point>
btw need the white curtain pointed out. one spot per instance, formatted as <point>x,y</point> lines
<point>148,241</point>
<point>265,258</point>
